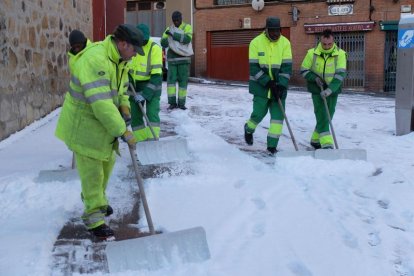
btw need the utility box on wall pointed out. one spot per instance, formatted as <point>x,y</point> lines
<point>404,94</point>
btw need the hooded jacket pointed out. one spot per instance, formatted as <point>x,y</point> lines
<point>90,121</point>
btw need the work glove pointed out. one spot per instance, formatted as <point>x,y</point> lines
<point>126,114</point>
<point>168,33</point>
<point>325,93</point>
<point>138,98</point>
<point>320,83</point>
<point>280,91</point>
<point>128,137</point>
<point>271,84</point>
<point>275,89</point>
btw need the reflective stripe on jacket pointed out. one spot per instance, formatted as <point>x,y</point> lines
<point>329,65</point>
<point>186,38</point>
<point>89,120</point>
<point>148,68</point>
<point>269,60</point>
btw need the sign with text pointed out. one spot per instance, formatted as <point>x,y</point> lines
<point>341,9</point>
<point>339,27</point>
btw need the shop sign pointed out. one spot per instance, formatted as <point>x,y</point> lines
<point>341,9</point>
<point>339,27</point>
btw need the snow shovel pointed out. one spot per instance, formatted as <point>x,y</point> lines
<point>62,175</point>
<point>157,151</point>
<point>333,154</point>
<point>157,250</point>
<point>297,152</point>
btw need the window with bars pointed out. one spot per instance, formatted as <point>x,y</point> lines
<point>138,6</point>
<point>353,43</point>
<point>132,5</point>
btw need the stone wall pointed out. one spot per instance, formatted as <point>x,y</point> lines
<point>33,60</point>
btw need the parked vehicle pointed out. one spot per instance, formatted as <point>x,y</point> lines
<point>164,61</point>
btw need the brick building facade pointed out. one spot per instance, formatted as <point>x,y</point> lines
<point>366,29</point>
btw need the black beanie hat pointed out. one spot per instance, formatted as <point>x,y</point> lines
<point>272,22</point>
<point>176,16</point>
<point>76,37</point>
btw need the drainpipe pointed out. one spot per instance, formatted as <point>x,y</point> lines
<point>371,10</point>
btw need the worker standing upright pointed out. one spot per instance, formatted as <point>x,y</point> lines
<point>324,68</point>
<point>270,68</point>
<point>178,39</point>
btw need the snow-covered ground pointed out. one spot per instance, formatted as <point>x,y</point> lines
<point>298,216</point>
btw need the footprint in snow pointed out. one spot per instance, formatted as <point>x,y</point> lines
<point>299,269</point>
<point>383,203</point>
<point>366,216</point>
<point>258,230</point>
<point>373,239</point>
<point>350,240</point>
<point>239,184</point>
<point>259,203</point>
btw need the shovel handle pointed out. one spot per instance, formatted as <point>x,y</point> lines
<point>287,124</point>
<point>141,190</point>
<point>329,118</point>
<point>143,112</point>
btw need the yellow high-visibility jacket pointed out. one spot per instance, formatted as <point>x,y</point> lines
<point>269,60</point>
<point>90,121</point>
<point>148,69</point>
<point>329,65</point>
<point>73,58</point>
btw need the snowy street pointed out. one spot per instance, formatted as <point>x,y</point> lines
<point>263,215</point>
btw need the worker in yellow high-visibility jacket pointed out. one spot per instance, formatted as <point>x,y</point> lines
<point>146,77</point>
<point>90,121</point>
<point>324,68</point>
<point>270,68</point>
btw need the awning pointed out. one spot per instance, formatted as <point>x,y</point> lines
<point>389,25</point>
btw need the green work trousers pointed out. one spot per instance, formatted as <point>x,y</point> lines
<point>94,175</point>
<point>261,106</point>
<point>140,129</point>
<point>177,73</point>
<point>322,134</point>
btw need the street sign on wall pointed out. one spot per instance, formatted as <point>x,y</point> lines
<point>341,9</point>
<point>339,27</point>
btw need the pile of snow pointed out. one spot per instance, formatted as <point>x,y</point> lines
<point>298,216</point>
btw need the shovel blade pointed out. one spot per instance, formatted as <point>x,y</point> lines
<point>166,150</point>
<point>287,154</point>
<point>157,251</point>
<point>334,154</point>
<point>63,175</point>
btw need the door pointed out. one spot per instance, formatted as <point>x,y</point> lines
<point>228,53</point>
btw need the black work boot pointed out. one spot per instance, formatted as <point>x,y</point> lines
<point>102,232</point>
<point>172,106</point>
<point>315,145</point>
<point>109,211</point>
<point>248,137</point>
<point>272,150</point>
<point>182,107</point>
